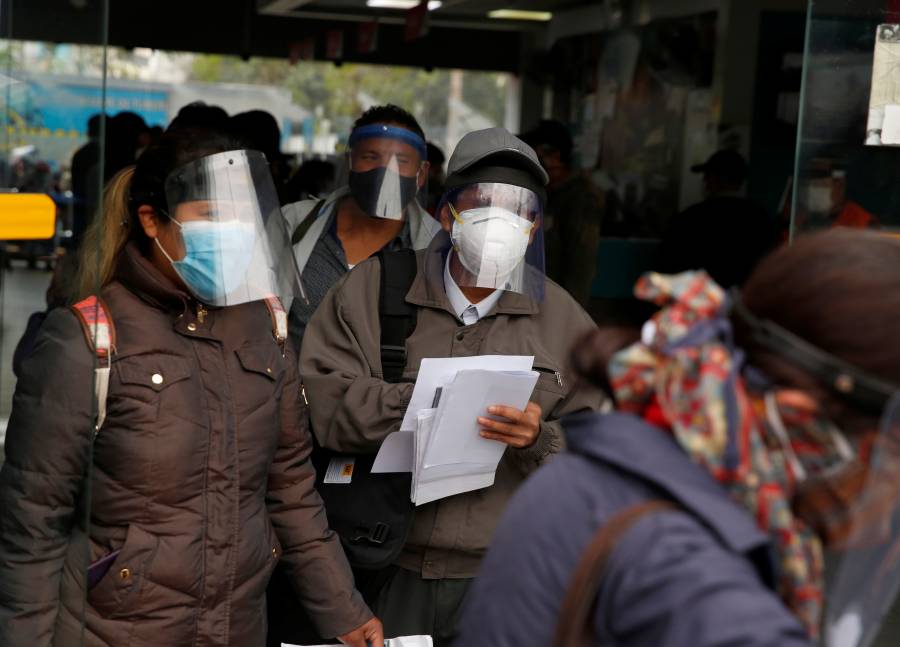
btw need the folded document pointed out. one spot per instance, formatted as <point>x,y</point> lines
<point>445,451</point>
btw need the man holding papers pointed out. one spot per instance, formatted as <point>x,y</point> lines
<point>479,290</point>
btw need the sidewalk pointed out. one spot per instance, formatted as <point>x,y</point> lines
<point>22,294</point>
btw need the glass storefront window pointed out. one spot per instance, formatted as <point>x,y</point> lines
<point>847,157</point>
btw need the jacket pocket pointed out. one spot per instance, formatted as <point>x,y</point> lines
<point>119,589</point>
<point>550,378</point>
<point>153,371</point>
<point>264,359</point>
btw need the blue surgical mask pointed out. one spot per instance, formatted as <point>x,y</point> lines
<point>217,257</point>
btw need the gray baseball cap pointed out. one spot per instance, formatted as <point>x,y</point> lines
<point>494,154</point>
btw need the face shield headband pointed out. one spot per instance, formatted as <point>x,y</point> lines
<point>391,132</point>
<point>385,169</point>
<point>864,391</point>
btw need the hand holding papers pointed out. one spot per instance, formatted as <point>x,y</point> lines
<point>436,372</point>
<point>442,445</point>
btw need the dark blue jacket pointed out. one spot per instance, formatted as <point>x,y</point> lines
<point>698,577</point>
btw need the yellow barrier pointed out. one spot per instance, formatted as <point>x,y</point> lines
<point>27,216</point>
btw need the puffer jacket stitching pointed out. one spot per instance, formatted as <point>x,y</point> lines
<point>235,516</point>
<point>205,493</point>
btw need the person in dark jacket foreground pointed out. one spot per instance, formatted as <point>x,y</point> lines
<point>765,426</point>
<point>200,480</point>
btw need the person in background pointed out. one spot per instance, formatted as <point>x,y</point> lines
<point>376,210</point>
<point>435,177</point>
<point>84,194</point>
<point>753,431</point>
<point>260,131</point>
<point>314,180</point>
<point>573,215</point>
<point>726,234</point>
<point>195,461</point>
<point>199,115</point>
<point>478,289</point>
<point>127,134</point>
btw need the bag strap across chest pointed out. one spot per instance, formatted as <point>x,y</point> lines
<point>397,317</point>
<point>575,624</point>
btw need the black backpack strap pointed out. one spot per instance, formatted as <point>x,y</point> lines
<point>304,226</point>
<point>397,317</point>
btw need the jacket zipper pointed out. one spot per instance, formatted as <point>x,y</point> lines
<point>201,312</point>
<point>547,371</point>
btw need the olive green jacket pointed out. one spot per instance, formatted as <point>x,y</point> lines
<point>353,409</point>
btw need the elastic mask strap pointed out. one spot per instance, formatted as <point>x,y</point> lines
<point>163,250</point>
<point>459,219</point>
<point>773,417</point>
<point>455,213</point>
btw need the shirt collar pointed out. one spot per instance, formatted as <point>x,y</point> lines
<point>458,300</point>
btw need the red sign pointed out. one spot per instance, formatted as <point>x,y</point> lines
<point>417,22</point>
<point>334,44</point>
<point>892,11</point>
<point>303,50</point>
<point>367,37</point>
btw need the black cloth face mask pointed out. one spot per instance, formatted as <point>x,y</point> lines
<point>382,192</point>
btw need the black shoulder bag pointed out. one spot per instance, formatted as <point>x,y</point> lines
<point>373,513</point>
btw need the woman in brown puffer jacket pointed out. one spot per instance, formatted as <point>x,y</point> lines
<point>200,478</point>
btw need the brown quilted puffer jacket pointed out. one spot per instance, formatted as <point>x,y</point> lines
<point>201,479</point>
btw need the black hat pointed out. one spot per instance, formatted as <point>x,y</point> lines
<point>494,155</point>
<point>552,134</point>
<point>727,164</point>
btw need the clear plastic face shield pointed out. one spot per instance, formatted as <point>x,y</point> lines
<point>853,504</point>
<point>497,238</point>
<point>388,169</point>
<point>232,246</point>
<point>863,574</point>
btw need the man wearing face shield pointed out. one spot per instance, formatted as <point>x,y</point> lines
<point>479,289</point>
<point>377,208</point>
<point>745,492</point>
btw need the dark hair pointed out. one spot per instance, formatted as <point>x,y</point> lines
<point>822,288</point>
<point>199,115</point>
<point>259,130</point>
<point>839,291</point>
<point>312,179</point>
<point>175,149</point>
<point>435,155</point>
<point>389,114</point>
<point>93,125</point>
<point>554,135</point>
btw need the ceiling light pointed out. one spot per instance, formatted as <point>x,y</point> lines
<point>401,4</point>
<point>518,14</point>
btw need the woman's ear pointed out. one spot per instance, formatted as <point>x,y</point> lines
<point>149,220</point>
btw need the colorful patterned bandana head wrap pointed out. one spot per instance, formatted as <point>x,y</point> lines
<point>686,375</point>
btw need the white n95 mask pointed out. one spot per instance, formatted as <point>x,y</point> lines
<point>491,242</point>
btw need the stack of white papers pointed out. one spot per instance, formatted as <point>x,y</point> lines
<point>441,443</point>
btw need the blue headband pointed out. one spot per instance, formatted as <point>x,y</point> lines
<point>392,132</point>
